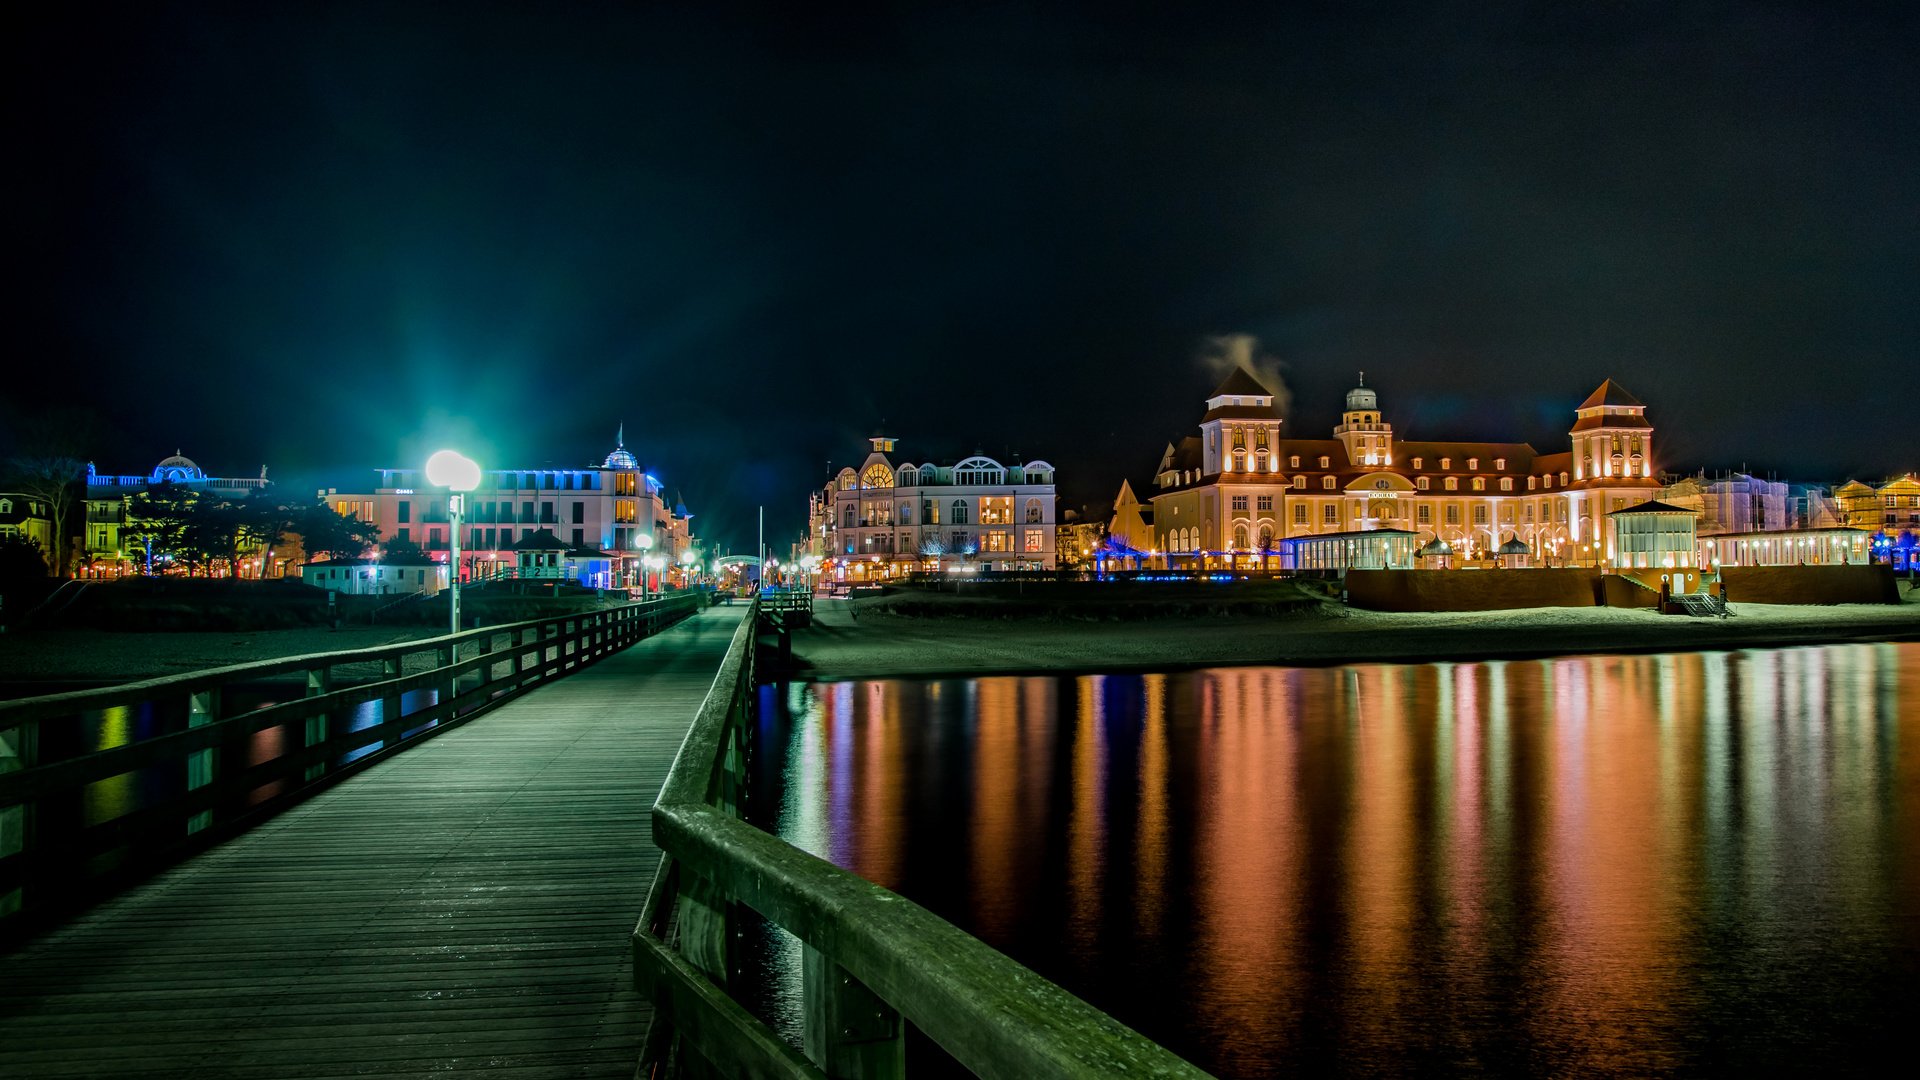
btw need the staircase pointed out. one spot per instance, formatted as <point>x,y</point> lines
<point>1705,605</point>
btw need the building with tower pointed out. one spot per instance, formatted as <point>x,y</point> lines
<point>110,552</point>
<point>883,520</point>
<point>600,512</point>
<point>1233,495</point>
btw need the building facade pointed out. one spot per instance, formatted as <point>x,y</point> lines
<point>602,509</point>
<point>109,550</point>
<point>27,517</point>
<point>1732,502</point>
<point>883,520</point>
<point>1227,496</point>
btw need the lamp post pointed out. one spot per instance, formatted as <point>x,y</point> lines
<point>459,474</point>
<point>643,543</point>
<point>687,560</point>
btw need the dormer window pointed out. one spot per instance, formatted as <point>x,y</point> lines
<point>1500,464</point>
<point>1293,462</point>
<point>1446,463</point>
<point>1453,483</point>
<point>1324,461</point>
<point>1479,483</point>
<point>1417,463</point>
<point>1327,482</point>
<point>1473,464</point>
<point>1423,483</point>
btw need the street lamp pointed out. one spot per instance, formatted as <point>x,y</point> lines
<point>643,543</point>
<point>459,474</point>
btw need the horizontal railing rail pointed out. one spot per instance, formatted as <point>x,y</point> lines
<point>100,786</point>
<point>872,961</point>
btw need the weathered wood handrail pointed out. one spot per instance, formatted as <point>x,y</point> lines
<point>872,960</point>
<point>51,856</point>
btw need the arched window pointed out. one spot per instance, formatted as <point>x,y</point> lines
<point>1033,511</point>
<point>959,511</point>
<point>6,506</point>
<point>1479,483</point>
<point>1239,538</point>
<point>1266,538</point>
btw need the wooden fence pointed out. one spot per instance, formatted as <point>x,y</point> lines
<point>873,961</point>
<point>98,787</point>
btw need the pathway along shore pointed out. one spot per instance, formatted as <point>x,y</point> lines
<point>858,639</point>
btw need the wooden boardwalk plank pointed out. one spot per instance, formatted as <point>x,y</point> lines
<point>463,906</point>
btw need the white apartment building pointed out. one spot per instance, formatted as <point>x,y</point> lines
<point>599,511</point>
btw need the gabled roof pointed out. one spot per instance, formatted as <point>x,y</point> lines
<point>540,540</point>
<point>1610,393</point>
<point>1240,384</point>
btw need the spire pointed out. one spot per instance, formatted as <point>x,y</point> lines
<point>620,437</point>
<point>1363,378</point>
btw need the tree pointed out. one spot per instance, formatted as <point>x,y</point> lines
<point>49,463</point>
<point>403,553</point>
<point>325,531</point>
<point>157,520</point>
<point>23,573</point>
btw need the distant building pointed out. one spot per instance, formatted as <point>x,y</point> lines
<point>1226,497</point>
<point>881,521</point>
<point>1732,502</point>
<point>109,552</point>
<point>604,508</point>
<point>371,577</point>
<point>1786,547</point>
<point>1890,511</point>
<point>27,517</point>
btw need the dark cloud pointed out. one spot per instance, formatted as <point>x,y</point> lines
<point>324,238</point>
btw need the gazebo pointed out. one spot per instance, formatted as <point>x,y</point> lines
<point>541,556</point>
<point>1515,554</point>
<point>1436,554</point>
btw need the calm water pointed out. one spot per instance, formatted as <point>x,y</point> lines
<point>1695,863</point>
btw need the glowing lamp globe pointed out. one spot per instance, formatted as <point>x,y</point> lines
<point>453,470</point>
<point>642,541</point>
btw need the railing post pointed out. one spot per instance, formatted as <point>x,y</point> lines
<point>519,655</point>
<point>390,702</point>
<point>319,681</point>
<point>203,707</point>
<point>18,750</point>
<point>846,1029</point>
<point>444,658</point>
<point>486,669</point>
<point>706,922</point>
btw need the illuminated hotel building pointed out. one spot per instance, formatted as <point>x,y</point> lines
<point>1227,496</point>
<point>882,520</point>
<point>599,511</point>
<point>109,498</point>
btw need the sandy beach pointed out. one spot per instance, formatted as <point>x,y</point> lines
<point>93,656</point>
<point>854,639</point>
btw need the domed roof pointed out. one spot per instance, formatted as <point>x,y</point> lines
<point>1361,399</point>
<point>1515,546</point>
<point>621,458</point>
<point>177,468</point>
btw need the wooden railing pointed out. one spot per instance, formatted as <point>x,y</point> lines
<point>872,960</point>
<point>100,786</point>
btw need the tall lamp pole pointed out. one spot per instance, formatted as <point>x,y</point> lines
<point>643,543</point>
<point>459,474</point>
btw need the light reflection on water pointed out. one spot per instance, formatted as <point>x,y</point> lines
<point>1691,862</point>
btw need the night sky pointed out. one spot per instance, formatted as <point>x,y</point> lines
<point>334,237</point>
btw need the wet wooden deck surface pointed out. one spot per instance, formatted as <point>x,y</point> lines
<point>463,906</point>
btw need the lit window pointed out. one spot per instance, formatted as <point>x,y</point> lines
<point>1473,464</point>
<point>1293,462</point>
<point>1299,481</point>
<point>1446,463</point>
<point>1506,483</point>
<point>1327,482</point>
<point>1453,483</point>
<point>1423,483</point>
<point>1500,463</point>
<point>1416,463</point>
<point>1324,461</point>
<point>1479,483</point>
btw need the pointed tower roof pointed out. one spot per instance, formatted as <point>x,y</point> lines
<point>621,458</point>
<point>1240,384</point>
<point>1610,393</point>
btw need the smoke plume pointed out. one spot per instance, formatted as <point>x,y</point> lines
<point>1222,354</point>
